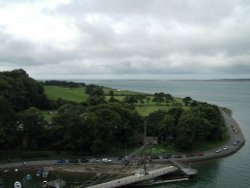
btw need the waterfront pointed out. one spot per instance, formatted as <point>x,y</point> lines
<point>232,171</point>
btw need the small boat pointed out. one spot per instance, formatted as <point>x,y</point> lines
<point>28,177</point>
<point>38,173</point>
<point>17,184</point>
<point>44,184</point>
<point>45,173</point>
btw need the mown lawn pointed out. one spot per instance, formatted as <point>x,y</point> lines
<point>79,95</point>
<point>69,94</point>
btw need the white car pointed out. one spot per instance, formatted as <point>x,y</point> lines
<point>225,148</point>
<point>106,160</point>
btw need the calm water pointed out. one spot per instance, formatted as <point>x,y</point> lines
<point>232,171</point>
<point>229,172</point>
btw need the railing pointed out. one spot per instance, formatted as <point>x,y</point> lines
<point>134,179</point>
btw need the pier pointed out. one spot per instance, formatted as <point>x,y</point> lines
<point>135,178</point>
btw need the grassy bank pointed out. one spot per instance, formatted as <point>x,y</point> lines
<point>69,94</point>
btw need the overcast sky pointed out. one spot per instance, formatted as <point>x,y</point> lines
<point>95,39</point>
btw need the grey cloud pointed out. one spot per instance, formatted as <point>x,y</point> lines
<point>153,37</point>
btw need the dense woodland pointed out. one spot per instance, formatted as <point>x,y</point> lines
<point>97,125</point>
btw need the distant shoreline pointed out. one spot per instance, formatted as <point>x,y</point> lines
<point>81,80</point>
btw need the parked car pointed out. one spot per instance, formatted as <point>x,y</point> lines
<point>236,142</point>
<point>154,157</point>
<point>106,160</point>
<point>178,156</point>
<point>219,150</point>
<point>82,160</point>
<point>73,161</point>
<point>61,161</point>
<point>95,160</point>
<point>166,156</point>
<point>200,154</point>
<point>190,155</point>
<point>225,148</point>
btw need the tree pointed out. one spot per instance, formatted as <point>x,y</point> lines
<point>159,97</point>
<point>112,98</point>
<point>153,121</point>
<point>32,130</point>
<point>167,128</point>
<point>148,99</point>
<point>130,99</point>
<point>94,90</point>
<point>8,134</point>
<point>95,100</point>
<point>111,93</point>
<point>168,98</point>
<point>187,100</point>
<point>185,131</point>
<point>22,91</point>
<point>95,129</point>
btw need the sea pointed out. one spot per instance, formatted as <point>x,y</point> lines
<point>228,172</point>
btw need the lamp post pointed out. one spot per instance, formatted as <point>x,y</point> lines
<point>145,145</point>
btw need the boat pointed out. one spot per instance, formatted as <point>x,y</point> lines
<point>28,177</point>
<point>45,173</point>
<point>38,173</point>
<point>17,184</point>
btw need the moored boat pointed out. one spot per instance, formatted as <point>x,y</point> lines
<point>28,177</point>
<point>17,184</point>
<point>45,173</point>
<point>38,173</point>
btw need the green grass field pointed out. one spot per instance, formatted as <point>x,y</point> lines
<point>69,94</point>
<point>79,95</point>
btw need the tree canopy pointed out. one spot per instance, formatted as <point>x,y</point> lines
<point>21,91</point>
<point>98,125</point>
<point>184,129</point>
